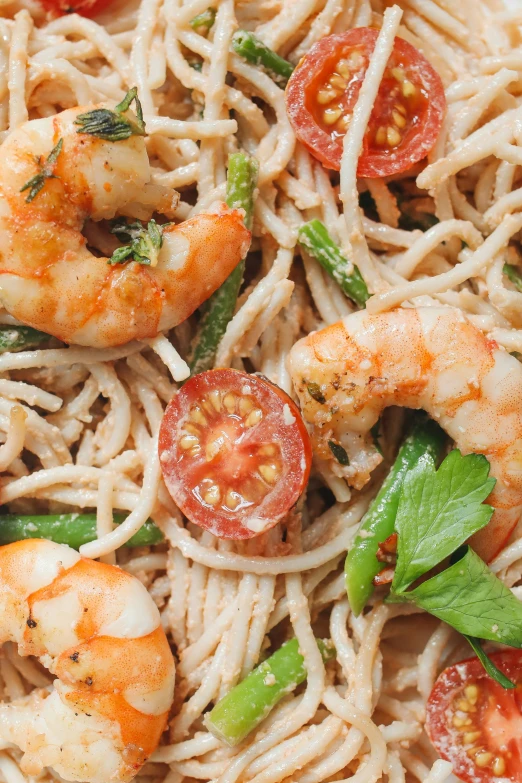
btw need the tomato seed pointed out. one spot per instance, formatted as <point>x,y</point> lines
<point>326,96</point>
<point>337,81</point>
<point>254,417</point>
<point>399,119</point>
<point>472,693</point>
<point>229,401</point>
<point>408,89</point>
<point>483,759</point>
<point>245,406</point>
<point>187,441</point>
<point>499,766</point>
<point>471,736</point>
<point>332,115</point>
<point>393,137</point>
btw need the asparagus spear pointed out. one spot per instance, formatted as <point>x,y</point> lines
<point>20,338</point>
<point>245,706</point>
<point>314,237</point>
<point>241,183</point>
<point>71,529</point>
<point>378,523</point>
<point>254,51</point>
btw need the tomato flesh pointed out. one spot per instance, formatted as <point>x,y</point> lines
<point>475,723</point>
<point>406,117</point>
<point>234,452</point>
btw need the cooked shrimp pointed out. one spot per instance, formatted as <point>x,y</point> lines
<point>52,281</point>
<point>430,358</point>
<point>98,631</point>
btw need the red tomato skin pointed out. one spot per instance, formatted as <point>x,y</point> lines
<point>328,151</point>
<point>450,683</point>
<point>292,438</point>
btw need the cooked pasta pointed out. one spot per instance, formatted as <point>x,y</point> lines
<point>79,426</point>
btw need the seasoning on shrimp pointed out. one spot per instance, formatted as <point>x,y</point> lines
<point>98,631</point>
<point>430,358</point>
<point>51,280</point>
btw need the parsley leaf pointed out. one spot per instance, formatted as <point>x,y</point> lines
<point>470,598</point>
<point>143,245</point>
<point>438,511</point>
<point>488,664</point>
<point>112,124</point>
<point>46,171</point>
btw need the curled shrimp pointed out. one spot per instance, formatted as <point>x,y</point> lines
<point>431,358</point>
<point>98,632</point>
<point>53,178</point>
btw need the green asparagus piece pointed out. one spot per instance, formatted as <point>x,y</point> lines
<point>241,183</point>
<point>245,706</point>
<point>514,273</point>
<point>254,51</point>
<point>71,529</point>
<point>204,21</point>
<point>378,523</point>
<point>20,338</point>
<point>316,240</point>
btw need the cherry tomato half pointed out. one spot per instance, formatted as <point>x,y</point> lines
<point>235,453</point>
<point>475,723</point>
<point>84,7</point>
<point>406,117</point>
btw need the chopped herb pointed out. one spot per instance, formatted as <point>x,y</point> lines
<point>111,124</point>
<point>376,434</point>
<point>204,21</point>
<point>143,245</point>
<point>36,183</point>
<point>314,390</point>
<point>339,452</point>
<point>514,274</point>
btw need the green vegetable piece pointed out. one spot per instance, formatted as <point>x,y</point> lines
<point>470,598</point>
<point>204,21</point>
<point>426,438</point>
<point>71,529</point>
<point>144,243</point>
<point>254,51</point>
<point>488,664</point>
<point>20,338</point>
<point>248,703</point>
<point>514,273</point>
<point>241,184</point>
<point>314,390</point>
<point>339,452</point>
<point>438,511</point>
<point>316,240</point>
<point>46,171</point>
<point>112,124</point>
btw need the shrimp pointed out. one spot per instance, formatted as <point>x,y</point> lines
<point>428,357</point>
<point>50,279</point>
<point>98,631</point>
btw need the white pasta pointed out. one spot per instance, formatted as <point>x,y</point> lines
<point>79,426</point>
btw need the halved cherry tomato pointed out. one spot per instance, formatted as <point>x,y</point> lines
<point>235,452</point>
<point>406,117</point>
<point>475,723</point>
<point>84,7</point>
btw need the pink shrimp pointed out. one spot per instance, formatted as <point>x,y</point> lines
<point>430,358</point>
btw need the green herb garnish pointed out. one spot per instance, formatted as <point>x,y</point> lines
<point>314,390</point>
<point>111,124</point>
<point>514,274</point>
<point>438,511</point>
<point>143,244</point>
<point>204,21</point>
<point>339,452</point>
<point>36,183</point>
